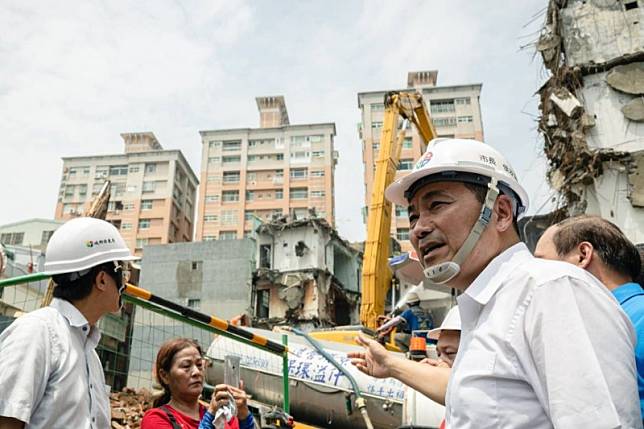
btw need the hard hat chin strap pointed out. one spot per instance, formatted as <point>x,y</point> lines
<point>446,271</point>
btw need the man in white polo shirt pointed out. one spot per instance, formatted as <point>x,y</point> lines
<point>543,344</point>
<point>50,374</point>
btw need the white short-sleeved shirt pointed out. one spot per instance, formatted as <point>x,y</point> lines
<point>543,344</point>
<point>50,374</point>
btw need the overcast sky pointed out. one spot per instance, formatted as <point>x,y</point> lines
<point>74,75</point>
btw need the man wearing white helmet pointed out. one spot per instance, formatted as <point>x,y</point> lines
<point>543,344</point>
<point>50,374</point>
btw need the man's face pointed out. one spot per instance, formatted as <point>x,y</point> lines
<point>441,216</point>
<point>447,346</point>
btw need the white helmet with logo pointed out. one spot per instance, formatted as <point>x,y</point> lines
<point>445,158</point>
<point>83,243</point>
<point>468,161</point>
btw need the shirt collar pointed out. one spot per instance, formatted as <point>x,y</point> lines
<point>626,291</point>
<point>488,282</point>
<point>76,319</point>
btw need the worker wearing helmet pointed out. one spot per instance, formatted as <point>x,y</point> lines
<point>50,374</point>
<point>543,344</point>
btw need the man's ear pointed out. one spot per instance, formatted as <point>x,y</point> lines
<point>100,281</point>
<point>503,213</point>
<point>585,254</point>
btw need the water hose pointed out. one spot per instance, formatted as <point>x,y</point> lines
<point>361,403</point>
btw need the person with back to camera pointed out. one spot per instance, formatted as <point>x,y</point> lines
<point>180,371</point>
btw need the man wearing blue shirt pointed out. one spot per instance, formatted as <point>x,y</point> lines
<point>415,316</point>
<point>601,248</point>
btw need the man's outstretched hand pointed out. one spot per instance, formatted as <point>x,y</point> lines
<point>374,361</point>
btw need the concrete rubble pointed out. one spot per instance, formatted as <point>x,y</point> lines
<point>128,407</point>
<point>592,114</point>
<point>306,276</point>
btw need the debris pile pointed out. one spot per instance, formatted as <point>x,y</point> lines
<point>128,407</point>
<point>572,136</point>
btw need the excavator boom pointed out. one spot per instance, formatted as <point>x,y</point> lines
<point>376,275</point>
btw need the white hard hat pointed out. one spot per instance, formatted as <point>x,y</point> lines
<point>446,157</point>
<point>452,322</point>
<point>83,243</point>
<point>412,297</point>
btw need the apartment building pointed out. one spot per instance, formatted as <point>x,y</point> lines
<point>153,192</point>
<point>251,174</point>
<point>455,111</point>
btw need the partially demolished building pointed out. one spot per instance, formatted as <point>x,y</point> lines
<point>592,110</point>
<point>306,276</point>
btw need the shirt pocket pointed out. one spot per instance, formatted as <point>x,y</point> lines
<point>473,391</point>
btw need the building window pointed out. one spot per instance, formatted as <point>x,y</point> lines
<point>265,255</point>
<point>231,145</point>
<point>126,226</point>
<point>248,215</point>
<point>118,189</point>
<point>69,208</point>
<point>317,173</point>
<point>102,171</point>
<point>194,303</point>
<point>462,100</point>
<point>150,168</point>
<point>229,217</point>
<point>44,237</point>
<point>376,124</point>
<point>406,164</point>
<point>299,173</point>
<point>401,211</point>
<point>279,194</point>
<point>407,143</point>
<point>144,223</point>
<point>263,303</point>
<point>402,234</point>
<point>210,218</point>
<point>214,160</point>
<point>444,122</point>
<point>377,107</point>
<point>279,157</point>
<point>214,144</point>
<point>230,196</point>
<point>118,170</point>
<point>465,119</point>
<point>375,147</point>
<point>442,106</point>
<point>14,238</point>
<point>134,169</point>
<point>212,198</point>
<point>231,176</point>
<point>149,187</point>
<point>317,193</point>
<point>232,159</point>
<point>299,193</point>
<point>140,242</point>
<point>228,235</point>
<point>251,176</point>
<point>209,238</point>
<point>146,204</point>
<point>318,154</point>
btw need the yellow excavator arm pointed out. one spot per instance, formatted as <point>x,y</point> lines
<point>376,275</point>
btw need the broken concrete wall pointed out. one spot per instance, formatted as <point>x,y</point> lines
<point>598,31</point>
<point>591,107</point>
<point>294,249</point>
